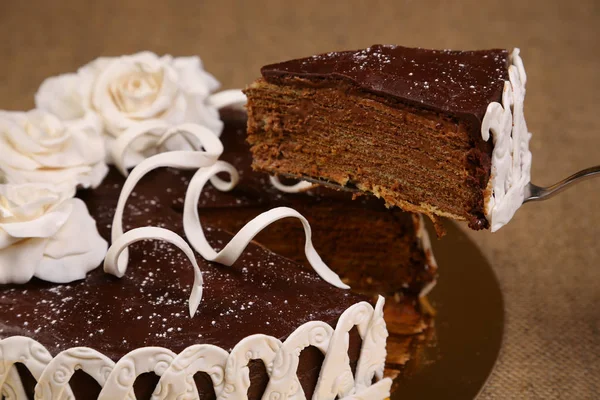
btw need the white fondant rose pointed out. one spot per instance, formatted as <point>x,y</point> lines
<point>124,91</point>
<point>46,233</point>
<point>36,146</point>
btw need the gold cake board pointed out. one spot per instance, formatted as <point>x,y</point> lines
<point>455,355</point>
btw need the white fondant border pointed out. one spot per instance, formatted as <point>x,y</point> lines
<point>228,371</point>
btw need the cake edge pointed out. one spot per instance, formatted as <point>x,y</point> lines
<point>228,371</point>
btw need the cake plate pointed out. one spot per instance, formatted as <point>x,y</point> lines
<point>457,354</point>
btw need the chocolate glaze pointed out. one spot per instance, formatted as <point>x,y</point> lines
<point>261,293</point>
<point>458,83</point>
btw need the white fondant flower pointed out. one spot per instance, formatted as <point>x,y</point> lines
<point>36,146</point>
<point>124,91</point>
<point>46,233</point>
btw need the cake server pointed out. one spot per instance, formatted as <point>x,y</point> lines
<point>537,193</point>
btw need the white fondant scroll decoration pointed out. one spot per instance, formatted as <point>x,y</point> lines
<point>511,158</point>
<point>314,333</point>
<point>119,246</point>
<point>119,384</point>
<point>179,377</point>
<point>232,251</point>
<point>371,364</point>
<point>237,373</point>
<point>337,380</point>
<point>54,381</point>
<point>117,257</point>
<point>196,135</point>
<point>204,158</point>
<point>13,387</point>
<point>21,349</point>
<point>301,186</point>
<point>229,372</point>
<point>228,98</point>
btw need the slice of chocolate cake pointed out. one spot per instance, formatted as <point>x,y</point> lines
<point>411,126</point>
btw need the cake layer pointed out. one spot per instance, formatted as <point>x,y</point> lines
<point>402,124</point>
<point>411,158</point>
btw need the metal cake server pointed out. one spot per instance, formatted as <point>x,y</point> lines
<point>537,193</point>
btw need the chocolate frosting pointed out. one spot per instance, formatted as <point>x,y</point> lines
<point>460,83</point>
<point>261,293</point>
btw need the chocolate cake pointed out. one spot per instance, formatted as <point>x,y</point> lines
<point>141,320</point>
<point>409,125</point>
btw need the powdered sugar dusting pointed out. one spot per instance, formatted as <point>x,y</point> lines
<point>261,293</point>
<point>453,81</point>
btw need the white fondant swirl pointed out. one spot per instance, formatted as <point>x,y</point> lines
<point>232,251</point>
<point>314,333</point>
<point>119,384</point>
<point>179,377</point>
<point>511,158</point>
<point>301,186</point>
<point>13,387</point>
<point>371,364</point>
<point>175,159</point>
<point>229,372</point>
<point>46,233</point>
<point>115,264</point>
<point>228,98</point>
<point>21,349</point>
<point>237,373</point>
<point>205,159</point>
<point>195,135</point>
<point>337,378</point>
<point>54,381</point>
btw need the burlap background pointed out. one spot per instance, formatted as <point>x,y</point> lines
<point>547,258</point>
